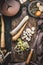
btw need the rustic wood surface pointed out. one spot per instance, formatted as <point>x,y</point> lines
<point>31,22</point>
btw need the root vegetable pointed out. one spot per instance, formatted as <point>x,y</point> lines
<point>20,25</point>
<point>29,57</point>
<point>14,38</point>
<point>2,34</point>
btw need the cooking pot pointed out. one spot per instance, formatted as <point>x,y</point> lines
<point>10,7</point>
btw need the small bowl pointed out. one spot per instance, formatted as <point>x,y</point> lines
<point>30,11</point>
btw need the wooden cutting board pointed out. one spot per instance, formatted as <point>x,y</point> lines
<point>31,22</point>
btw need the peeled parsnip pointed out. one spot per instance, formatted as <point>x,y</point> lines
<point>2,33</point>
<point>14,38</point>
<point>14,31</point>
<point>29,56</point>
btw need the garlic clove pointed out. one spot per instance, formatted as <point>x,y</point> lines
<point>28,39</point>
<point>32,32</point>
<point>27,34</point>
<point>30,35</point>
<point>38,4</point>
<point>24,32</point>
<point>28,30</point>
<point>24,37</point>
<point>33,28</point>
<point>41,8</point>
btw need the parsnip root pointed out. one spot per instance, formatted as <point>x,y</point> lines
<point>29,57</point>
<point>2,33</point>
<point>14,38</point>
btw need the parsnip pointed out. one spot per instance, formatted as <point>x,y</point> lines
<point>14,31</point>
<point>14,38</point>
<point>2,33</point>
<point>29,56</point>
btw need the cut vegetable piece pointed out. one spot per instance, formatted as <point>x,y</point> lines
<point>20,25</point>
<point>19,33</point>
<point>2,34</point>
